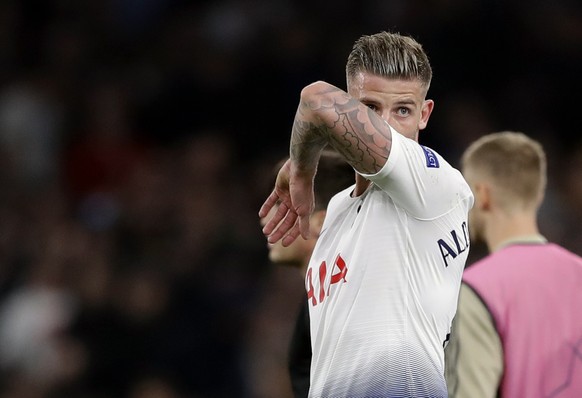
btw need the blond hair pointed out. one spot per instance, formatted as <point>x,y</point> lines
<point>389,55</point>
<point>515,162</point>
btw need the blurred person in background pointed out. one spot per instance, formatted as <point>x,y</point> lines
<point>36,352</point>
<point>333,175</point>
<point>384,277</point>
<point>31,128</point>
<point>518,330</point>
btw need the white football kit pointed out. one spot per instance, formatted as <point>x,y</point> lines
<point>384,278</point>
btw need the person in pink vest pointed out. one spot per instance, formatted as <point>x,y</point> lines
<point>518,328</point>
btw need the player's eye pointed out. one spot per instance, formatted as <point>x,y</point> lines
<point>402,111</point>
<point>372,107</point>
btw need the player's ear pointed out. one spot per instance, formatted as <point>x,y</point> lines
<point>316,222</point>
<point>482,193</point>
<point>425,112</point>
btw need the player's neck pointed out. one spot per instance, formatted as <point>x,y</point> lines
<point>504,228</point>
<point>361,185</point>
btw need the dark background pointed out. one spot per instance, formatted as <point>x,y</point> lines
<point>138,140</point>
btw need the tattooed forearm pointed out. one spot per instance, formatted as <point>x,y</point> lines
<point>327,115</point>
<point>307,141</point>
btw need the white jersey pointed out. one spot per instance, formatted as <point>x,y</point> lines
<point>384,278</point>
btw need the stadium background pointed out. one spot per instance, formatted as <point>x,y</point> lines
<point>137,141</point>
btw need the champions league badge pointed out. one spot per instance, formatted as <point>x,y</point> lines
<point>431,159</point>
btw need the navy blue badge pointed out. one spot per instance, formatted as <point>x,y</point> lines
<point>431,158</point>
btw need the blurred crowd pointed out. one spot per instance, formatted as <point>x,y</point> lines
<point>138,140</point>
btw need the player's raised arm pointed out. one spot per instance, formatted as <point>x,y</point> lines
<point>329,115</point>
<point>326,115</point>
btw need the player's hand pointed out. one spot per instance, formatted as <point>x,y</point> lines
<point>294,193</point>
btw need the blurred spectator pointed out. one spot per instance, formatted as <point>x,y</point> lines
<point>100,159</point>
<point>30,130</point>
<point>37,311</point>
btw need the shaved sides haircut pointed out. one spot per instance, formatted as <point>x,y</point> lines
<point>389,55</point>
<point>516,162</point>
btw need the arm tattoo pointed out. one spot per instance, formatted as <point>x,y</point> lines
<point>333,117</point>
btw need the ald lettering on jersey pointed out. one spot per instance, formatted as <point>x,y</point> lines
<point>460,244</point>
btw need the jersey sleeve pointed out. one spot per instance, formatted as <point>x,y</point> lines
<point>474,355</point>
<point>420,180</point>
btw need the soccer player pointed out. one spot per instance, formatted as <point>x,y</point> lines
<point>384,277</point>
<point>518,329</point>
<point>333,175</point>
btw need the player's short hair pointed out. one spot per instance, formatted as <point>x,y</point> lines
<point>389,55</point>
<point>516,163</point>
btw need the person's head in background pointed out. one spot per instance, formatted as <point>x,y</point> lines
<point>333,175</point>
<point>507,174</point>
